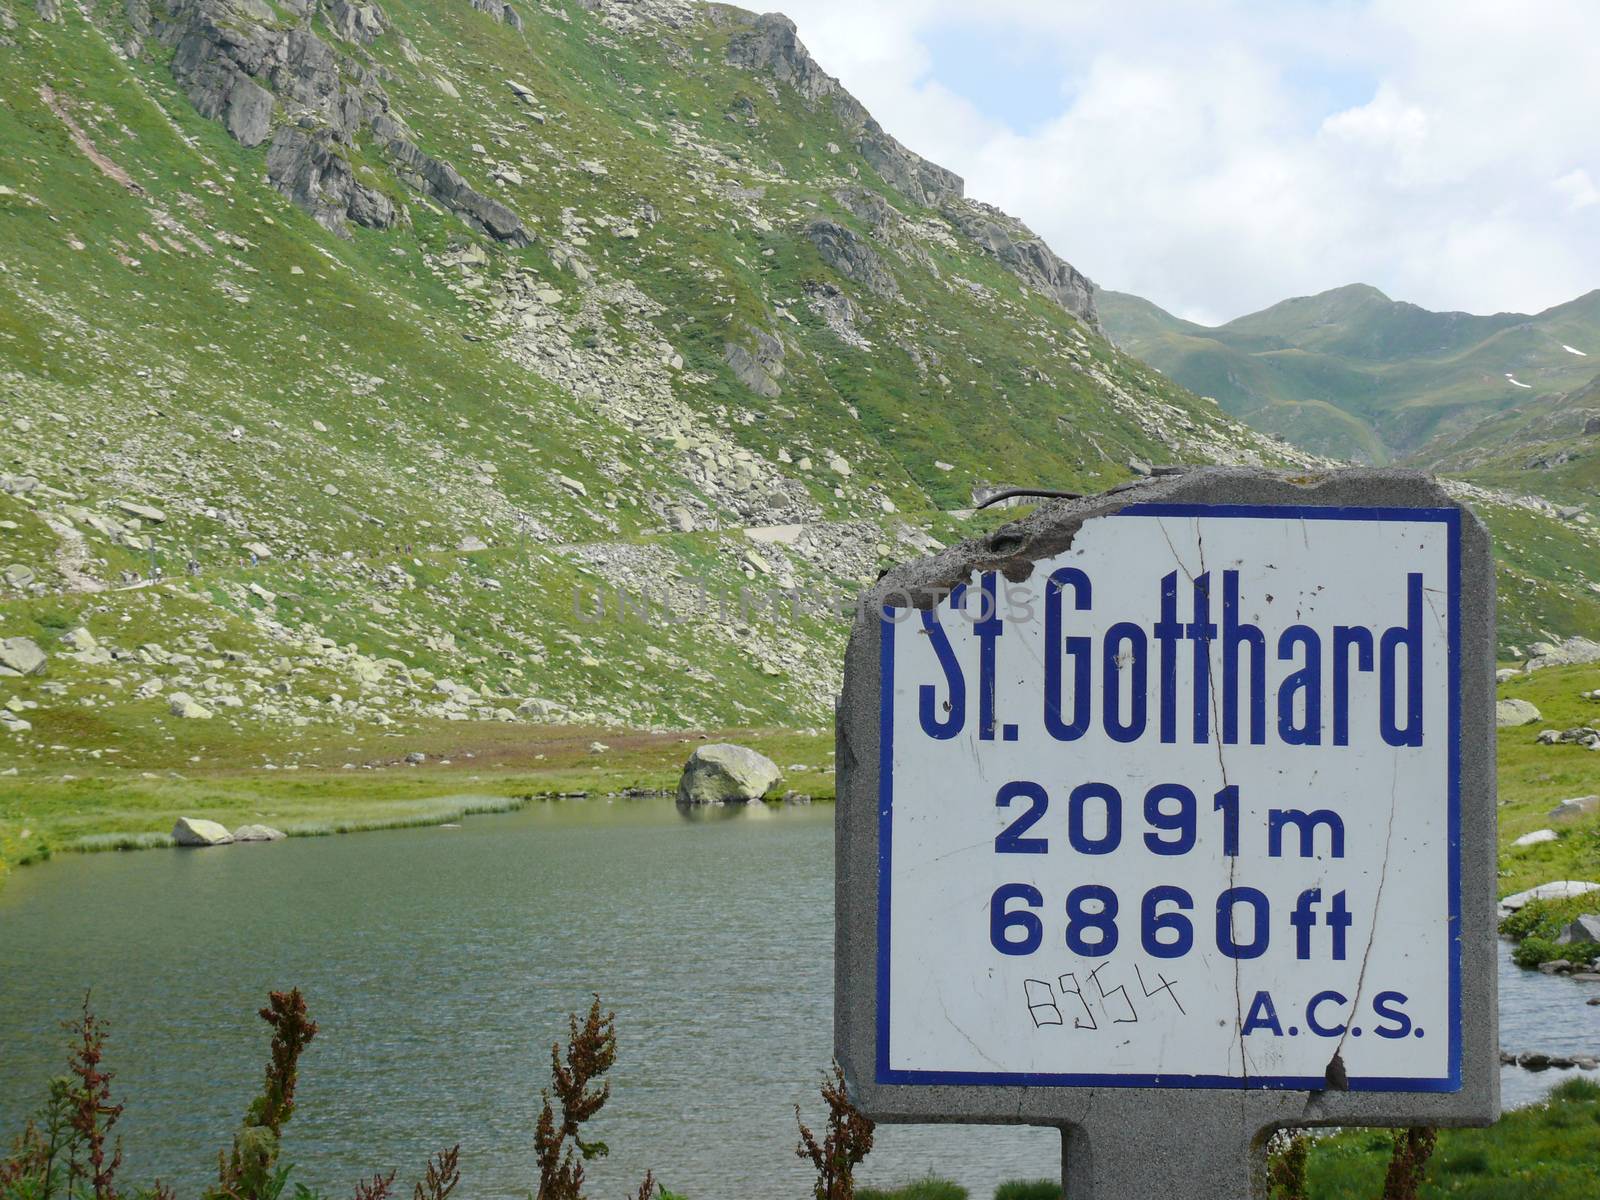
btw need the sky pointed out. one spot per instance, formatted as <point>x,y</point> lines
<point>1217,156</point>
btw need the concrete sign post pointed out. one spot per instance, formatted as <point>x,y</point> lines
<point>1167,817</point>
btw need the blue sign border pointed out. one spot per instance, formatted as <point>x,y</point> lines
<point>1449,517</point>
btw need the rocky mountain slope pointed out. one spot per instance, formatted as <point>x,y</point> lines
<point>355,361</point>
<point>1352,374</point>
<point>1549,445</point>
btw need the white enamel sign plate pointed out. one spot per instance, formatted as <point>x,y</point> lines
<point>1179,810</point>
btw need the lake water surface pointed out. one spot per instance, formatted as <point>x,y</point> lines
<point>441,964</point>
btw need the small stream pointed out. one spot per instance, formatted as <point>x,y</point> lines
<point>441,964</point>
<point>1545,1013</point>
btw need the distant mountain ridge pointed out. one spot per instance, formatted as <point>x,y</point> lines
<point>1355,375</point>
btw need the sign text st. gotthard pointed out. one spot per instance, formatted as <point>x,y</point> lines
<point>1180,809</point>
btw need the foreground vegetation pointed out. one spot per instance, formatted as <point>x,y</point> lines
<point>70,1151</point>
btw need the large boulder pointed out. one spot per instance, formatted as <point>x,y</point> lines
<point>21,656</point>
<point>721,773</point>
<point>181,704</point>
<point>79,639</point>
<point>1508,714</point>
<point>195,831</point>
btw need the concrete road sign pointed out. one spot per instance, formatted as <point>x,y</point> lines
<point>1167,817</point>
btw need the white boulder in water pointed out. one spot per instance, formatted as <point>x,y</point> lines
<point>721,773</point>
<point>196,831</point>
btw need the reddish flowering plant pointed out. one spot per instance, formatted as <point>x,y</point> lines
<point>1408,1162</point>
<point>561,1152</point>
<point>442,1175</point>
<point>379,1187</point>
<point>292,1031</point>
<point>846,1140</point>
<point>92,1114</point>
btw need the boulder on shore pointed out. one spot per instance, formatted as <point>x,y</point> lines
<point>196,831</point>
<point>721,773</point>
<point>258,833</point>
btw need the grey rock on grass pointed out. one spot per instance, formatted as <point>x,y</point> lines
<point>1510,713</point>
<point>21,656</point>
<point>1578,806</point>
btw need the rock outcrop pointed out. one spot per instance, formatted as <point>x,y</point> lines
<point>722,773</point>
<point>306,165</point>
<point>759,365</point>
<point>771,46</point>
<point>357,22</point>
<point>239,67</point>
<point>500,11</point>
<point>847,253</point>
<point>1026,256</point>
<point>441,181</point>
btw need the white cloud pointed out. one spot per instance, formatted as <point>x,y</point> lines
<point>1221,155</point>
<point>1578,188</point>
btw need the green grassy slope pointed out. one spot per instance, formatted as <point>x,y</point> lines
<point>390,468</point>
<point>1353,374</point>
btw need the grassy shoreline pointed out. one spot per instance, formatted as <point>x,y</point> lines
<point>346,780</point>
<point>467,769</point>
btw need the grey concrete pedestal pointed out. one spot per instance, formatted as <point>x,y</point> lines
<point>1133,1156</point>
